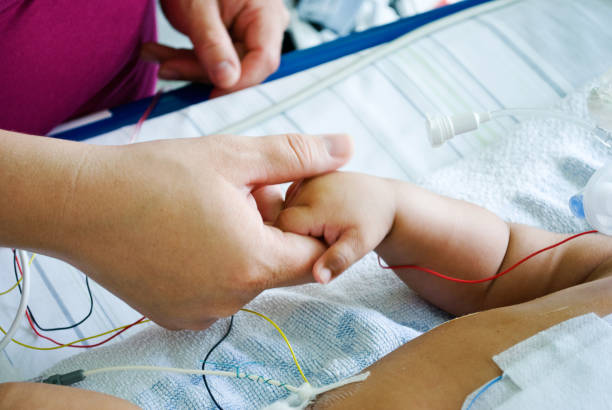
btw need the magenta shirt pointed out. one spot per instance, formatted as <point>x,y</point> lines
<point>60,59</point>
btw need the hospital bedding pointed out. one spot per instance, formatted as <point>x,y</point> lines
<point>518,53</point>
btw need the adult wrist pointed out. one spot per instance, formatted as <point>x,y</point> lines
<point>36,177</point>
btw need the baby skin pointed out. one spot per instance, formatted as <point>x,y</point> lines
<point>408,225</point>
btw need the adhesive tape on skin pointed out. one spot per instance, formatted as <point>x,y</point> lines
<point>599,102</point>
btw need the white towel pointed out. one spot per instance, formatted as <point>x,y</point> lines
<point>336,331</point>
<point>530,176</point>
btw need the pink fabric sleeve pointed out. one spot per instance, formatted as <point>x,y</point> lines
<point>60,59</point>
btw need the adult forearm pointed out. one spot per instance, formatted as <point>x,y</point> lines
<point>36,178</point>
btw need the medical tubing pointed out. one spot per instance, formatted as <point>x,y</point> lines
<point>23,303</point>
<point>484,389</point>
<point>601,134</point>
<point>370,56</point>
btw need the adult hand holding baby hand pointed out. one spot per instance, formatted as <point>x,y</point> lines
<point>236,43</point>
<point>351,212</point>
<point>173,227</point>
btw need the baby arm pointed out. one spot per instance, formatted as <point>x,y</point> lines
<point>408,225</point>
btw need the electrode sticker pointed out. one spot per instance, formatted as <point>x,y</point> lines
<point>565,366</point>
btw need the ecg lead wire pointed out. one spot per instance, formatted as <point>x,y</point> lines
<point>23,303</point>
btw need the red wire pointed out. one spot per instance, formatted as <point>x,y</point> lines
<point>416,267</point>
<point>82,346</point>
<point>144,116</point>
<point>474,281</point>
<point>73,345</point>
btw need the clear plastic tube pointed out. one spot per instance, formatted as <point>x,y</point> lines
<point>602,135</point>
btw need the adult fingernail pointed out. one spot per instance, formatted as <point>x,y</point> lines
<point>168,74</point>
<point>338,145</point>
<point>324,276</point>
<point>224,74</point>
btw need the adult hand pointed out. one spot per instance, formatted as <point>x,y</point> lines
<point>173,227</point>
<point>236,43</point>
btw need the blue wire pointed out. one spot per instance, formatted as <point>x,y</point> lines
<point>484,389</point>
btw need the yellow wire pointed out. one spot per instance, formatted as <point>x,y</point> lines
<point>295,360</point>
<point>284,337</point>
<point>297,364</point>
<point>76,341</point>
<point>65,344</point>
<point>19,281</point>
<point>12,287</point>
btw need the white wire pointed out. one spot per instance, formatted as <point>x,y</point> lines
<point>235,375</point>
<point>344,72</point>
<point>535,112</point>
<point>599,133</point>
<point>23,303</point>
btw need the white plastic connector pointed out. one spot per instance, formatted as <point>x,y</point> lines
<point>595,202</point>
<point>441,128</point>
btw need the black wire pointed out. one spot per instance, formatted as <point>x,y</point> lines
<point>91,303</point>
<point>227,332</point>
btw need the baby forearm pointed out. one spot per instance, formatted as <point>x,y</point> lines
<point>465,241</point>
<point>443,233</point>
<point>446,235</point>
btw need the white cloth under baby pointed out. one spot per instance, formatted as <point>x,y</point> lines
<point>336,331</point>
<point>568,366</point>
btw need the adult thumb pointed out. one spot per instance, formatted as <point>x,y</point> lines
<point>213,45</point>
<point>284,158</point>
<point>290,257</point>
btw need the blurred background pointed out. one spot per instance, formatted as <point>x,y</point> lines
<point>316,21</point>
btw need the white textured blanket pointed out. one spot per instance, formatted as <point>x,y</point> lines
<point>530,176</point>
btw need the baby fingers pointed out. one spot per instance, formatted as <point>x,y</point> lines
<point>298,219</point>
<point>348,249</point>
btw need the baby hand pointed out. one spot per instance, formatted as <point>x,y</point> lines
<point>351,212</point>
